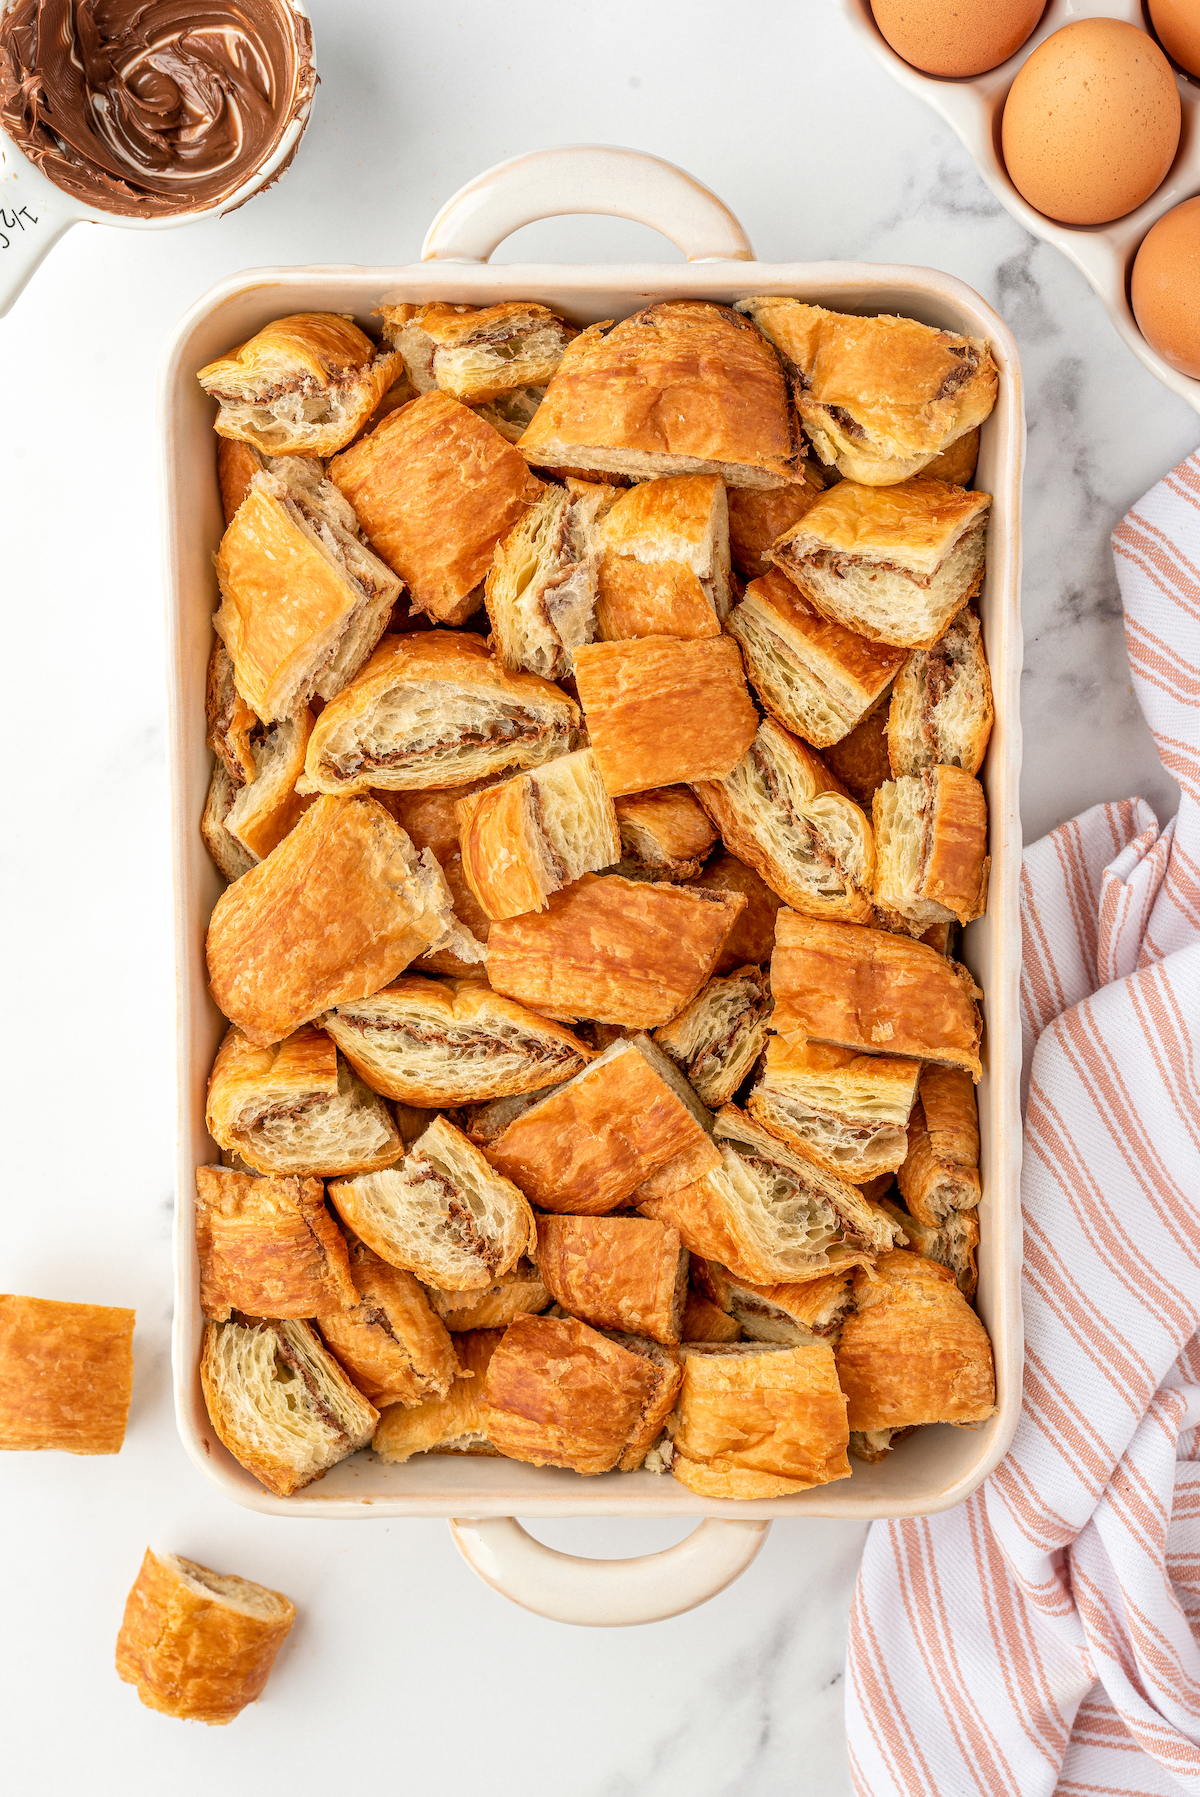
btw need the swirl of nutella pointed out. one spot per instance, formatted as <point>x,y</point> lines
<point>157,107</point>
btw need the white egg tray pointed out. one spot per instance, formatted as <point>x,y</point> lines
<point>974,107</point>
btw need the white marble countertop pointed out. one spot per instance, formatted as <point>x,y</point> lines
<point>403,1664</point>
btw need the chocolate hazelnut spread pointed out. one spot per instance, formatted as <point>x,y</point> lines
<point>152,108</point>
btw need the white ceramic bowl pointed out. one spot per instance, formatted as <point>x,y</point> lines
<point>34,213</point>
<point>975,106</point>
<point>939,1466</point>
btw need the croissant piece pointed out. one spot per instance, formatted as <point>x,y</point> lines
<point>335,912</point>
<point>303,600</point>
<point>442,1213</point>
<point>280,1402</point>
<point>66,1375</point>
<point>433,1043</point>
<point>455,1424</point>
<point>781,810</point>
<point>536,833</point>
<point>873,992</point>
<point>931,843</point>
<point>942,711</point>
<point>388,1339</point>
<point>684,387</point>
<point>616,1272</point>
<point>267,1245</point>
<point>435,487</point>
<point>198,1644</point>
<point>719,1036</point>
<point>541,588</point>
<point>665,834</point>
<point>893,563</point>
<point>296,1107</point>
<point>302,385</point>
<point>879,397</point>
<point>477,353</point>
<point>435,710</point>
<point>756,1420</point>
<point>517,1293</point>
<point>845,1112</point>
<point>940,1174</point>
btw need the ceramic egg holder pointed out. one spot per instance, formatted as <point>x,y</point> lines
<point>974,107</point>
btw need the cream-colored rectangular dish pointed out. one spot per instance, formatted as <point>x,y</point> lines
<point>938,1467</point>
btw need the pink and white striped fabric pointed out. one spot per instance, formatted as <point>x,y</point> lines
<point>1044,1637</point>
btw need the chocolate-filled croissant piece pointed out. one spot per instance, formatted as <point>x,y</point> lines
<point>297,1107</point>
<point>781,811</point>
<point>435,709</point>
<point>616,1272</point>
<point>434,1042</point>
<point>199,1644</point>
<point>280,1402</point>
<point>303,600</point>
<point>303,385</point>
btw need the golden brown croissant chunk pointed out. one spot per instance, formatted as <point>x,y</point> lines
<point>616,1272</point>
<point>931,844</point>
<point>844,1111</point>
<point>719,1036</point>
<point>952,1242</point>
<point>665,833</point>
<point>872,991</point>
<point>860,760</point>
<point>683,387</point>
<point>66,1375</point>
<point>335,912</point>
<point>229,857</point>
<point>816,677</point>
<point>296,1107</point>
<point>429,1042</point>
<point>280,1402</point>
<point>879,397</point>
<point>435,487</point>
<point>781,810</point>
<point>812,1310</point>
<point>454,1424</point>
<point>941,710</point>
<point>914,1351</point>
<point>198,1644</point>
<point>665,567</point>
<point>662,711</point>
<point>231,723</point>
<point>759,1421</point>
<point>303,385</point>
<point>536,833</point>
<point>517,1293</point>
<point>753,935</point>
<point>768,1215</point>
<point>940,1173</point>
<point>587,1145</point>
<point>303,600</point>
<point>894,563</point>
<point>540,590</point>
<point>617,950</point>
<point>430,821</point>
<point>435,710</point>
<point>957,462</point>
<point>704,1321</point>
<point>477,353</point>
<point>561,1394</point>
<point>757,519</point>
<point>443,1213</point>
<point>390,1342</point>
<point>267,1247</point>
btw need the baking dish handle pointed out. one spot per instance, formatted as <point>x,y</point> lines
<point>607,1594</point>
<point>585,178</point>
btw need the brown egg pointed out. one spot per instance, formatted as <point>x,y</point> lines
<point>1177,23</point>
<point>1166,288</point>
<point>1091,123</point>
<point>956,37</point>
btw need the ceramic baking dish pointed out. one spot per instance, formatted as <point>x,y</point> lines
<point>974,106</point>
<point>939,1466</point>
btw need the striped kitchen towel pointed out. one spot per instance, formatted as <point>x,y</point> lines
<point>1044,1636</point>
